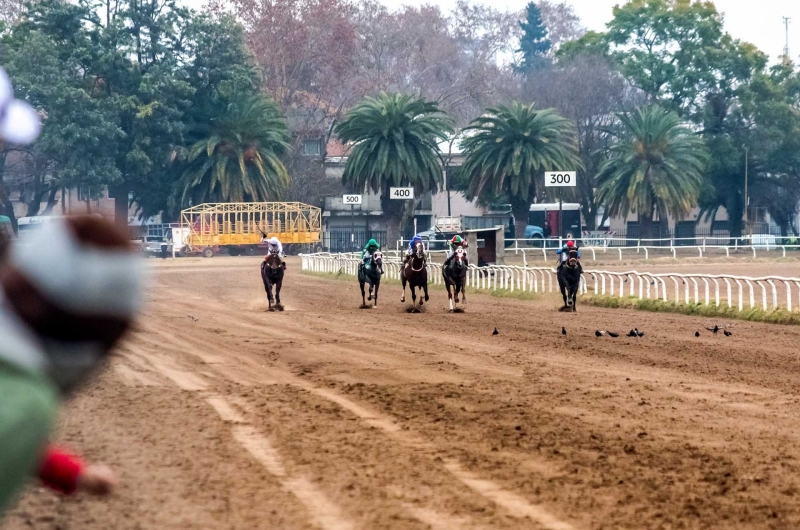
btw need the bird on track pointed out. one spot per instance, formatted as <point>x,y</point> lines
<point>193,319</point>
<point>563,330</point>
<point>696,333</point>
<point>495,332</point>
<point>632,333</point>
<point>599,333</point>
<point>612,334</point>
<point>714,330</point>
<point>727,333</point>
<point>638,333</point>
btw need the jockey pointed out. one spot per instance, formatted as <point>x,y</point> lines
<point>411,244</point>
<point>369,249</point>
<point>274,246</point>
<point>455,243</point>
<point>563,252</point>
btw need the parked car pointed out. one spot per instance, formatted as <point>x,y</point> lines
<point>154,245</point>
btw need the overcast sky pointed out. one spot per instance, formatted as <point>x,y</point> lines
<point>758,22</point>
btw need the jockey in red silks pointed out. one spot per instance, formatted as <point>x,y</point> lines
<point>563,252</point>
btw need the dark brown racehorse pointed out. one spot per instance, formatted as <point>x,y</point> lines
<point>372,276</point>
<point>569,280</point>
<point>455,277</point>
<point>272,275</point>
<point>415,273</point>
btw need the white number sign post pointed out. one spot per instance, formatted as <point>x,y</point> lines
<point>403,194</point>
<point>352,200</point>
<point>560,179</point>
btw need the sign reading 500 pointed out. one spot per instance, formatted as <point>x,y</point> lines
<point>560,178</point>
<point>401,193</point>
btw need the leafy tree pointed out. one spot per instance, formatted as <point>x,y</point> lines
<point>394,140</point>
<point>655,167</point>
<point>534,45</point>
<point>240,158</point>
<point>508,150</point>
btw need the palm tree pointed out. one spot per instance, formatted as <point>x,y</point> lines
<point>239,157</point>
<point>394,140</point>
<point>509,149</point>
<point>655,166</point>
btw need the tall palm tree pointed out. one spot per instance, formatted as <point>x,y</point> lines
<point>655,166</point>
<point>509,149</point>
<point>239,157</point>
<point>394,140</point>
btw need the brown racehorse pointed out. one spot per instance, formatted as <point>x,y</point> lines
<point>415,273</point>
<point>455,276</point>
<point>272,274</point>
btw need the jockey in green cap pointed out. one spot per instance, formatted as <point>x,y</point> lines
<point>455,243</point>
<point>369,250</point>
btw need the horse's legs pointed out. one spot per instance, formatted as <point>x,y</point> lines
<point>413,295</point>
<point>375,298</point>
<point>425,287</point>
<point>278,292</point>
<point>363,294</point>
<point>449,295</point>
<point>463,292</point>
<point>268,289</point>
<point>403,281</point>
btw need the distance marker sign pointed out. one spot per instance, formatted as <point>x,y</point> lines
<point>560,179</point>
<point>401,193</point>
<point>352,199</point>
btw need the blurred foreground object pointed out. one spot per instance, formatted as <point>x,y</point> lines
<point>65,300</point>
<point>19,122</point>
<point>67,473</point>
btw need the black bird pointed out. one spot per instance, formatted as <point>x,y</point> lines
<point>638,333</point>
<point>563,330</point>
<point>714,330</point>
<point>632,333</point>
<point>495,332</point>
<point>599,333</point>
<point>727,333</point>
<point>696,333</point>
<point>612,334</point>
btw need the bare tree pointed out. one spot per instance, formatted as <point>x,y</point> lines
<point>590,92</point>
<point>563,24</point>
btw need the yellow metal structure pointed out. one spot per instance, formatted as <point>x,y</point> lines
<point>246,223</point>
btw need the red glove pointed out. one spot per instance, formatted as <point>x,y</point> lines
<point>60,470</point>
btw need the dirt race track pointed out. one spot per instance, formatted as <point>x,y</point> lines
<point>218,415</point>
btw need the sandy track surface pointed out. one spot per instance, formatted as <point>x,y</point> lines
<point>219,415</point>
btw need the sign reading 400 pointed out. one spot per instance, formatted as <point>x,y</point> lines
<point>560,178</point>
<point>401,193</point>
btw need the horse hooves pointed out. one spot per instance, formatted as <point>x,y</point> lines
<point>279,307</point>
<point>427,298</point>
<point>365,306</point>
<point>271,309</point>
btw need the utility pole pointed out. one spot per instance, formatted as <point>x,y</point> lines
<point>786,21</point>
<point>746,218</point>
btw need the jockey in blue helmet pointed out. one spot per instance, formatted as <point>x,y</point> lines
<point>411,244</point>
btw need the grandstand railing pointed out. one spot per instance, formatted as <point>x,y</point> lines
<point>740,292</point>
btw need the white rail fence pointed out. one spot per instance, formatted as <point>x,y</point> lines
<point>617,246</point>
<point>741,292</point>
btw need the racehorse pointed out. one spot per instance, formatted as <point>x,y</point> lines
<point>415,273</point>
<point>455,276</point>
<point>569,280</point>
<point>371,275</point>
<point>272,274</point>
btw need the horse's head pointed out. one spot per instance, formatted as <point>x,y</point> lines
<point>419,250</point>
<point>459,259</point>
<point>572,258</point>
<point>273,259</point>
<point>377,260</point>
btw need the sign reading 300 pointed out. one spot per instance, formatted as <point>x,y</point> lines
<point>560,178</point>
